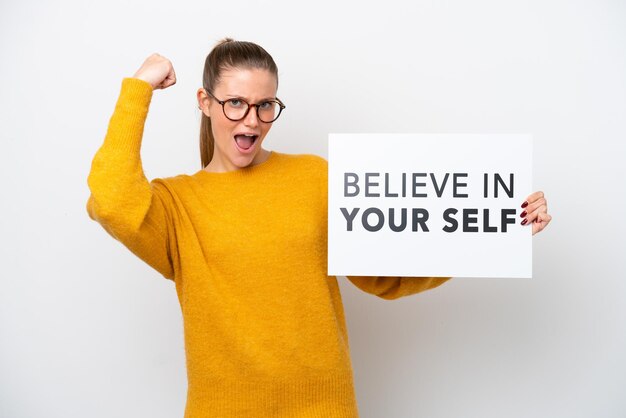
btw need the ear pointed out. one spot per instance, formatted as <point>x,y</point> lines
<point>203,101</point>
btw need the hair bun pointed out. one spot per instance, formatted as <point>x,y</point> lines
<point>224,41</point>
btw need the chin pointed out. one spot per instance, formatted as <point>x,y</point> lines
<point>243,161</point>
<point>244,158</point>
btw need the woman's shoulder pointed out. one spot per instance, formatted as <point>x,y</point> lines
<point>304,160</point>
<point>176,183</point>
<point>303,169</point>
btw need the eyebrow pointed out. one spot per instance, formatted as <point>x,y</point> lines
<point>245,98</point>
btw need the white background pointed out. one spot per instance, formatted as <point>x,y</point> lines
<point>430,251</point>
<point>89,330</point>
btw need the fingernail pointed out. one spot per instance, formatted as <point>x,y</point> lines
<point>524,204</point>
<point>524,221</point>
<point>522,214</point>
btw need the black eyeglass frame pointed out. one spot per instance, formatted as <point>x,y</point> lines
<point>222,102</point>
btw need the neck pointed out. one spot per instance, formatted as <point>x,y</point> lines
<point>216,166</point>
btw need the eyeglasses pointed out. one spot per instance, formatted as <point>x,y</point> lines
<point>237,109</point>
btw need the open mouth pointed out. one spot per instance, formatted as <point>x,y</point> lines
<point>245,142</point>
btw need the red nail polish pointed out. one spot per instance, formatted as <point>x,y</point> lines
<point>522,214</point>
<point>524,221</point>
<point>524,204</point>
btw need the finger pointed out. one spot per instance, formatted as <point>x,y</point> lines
<point>543,218</point>
<point>533,206</point>
<point>533,215</point>
<point>541,222</point>
<point>532,197</point>
<point>172,77</point>
<point>169,82</point>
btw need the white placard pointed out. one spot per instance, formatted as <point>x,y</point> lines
<point>414,205</point>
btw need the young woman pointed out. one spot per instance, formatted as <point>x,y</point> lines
<point>244,241</point>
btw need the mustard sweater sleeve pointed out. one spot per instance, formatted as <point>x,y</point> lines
<point>131,209</point>
<point>396,287</point>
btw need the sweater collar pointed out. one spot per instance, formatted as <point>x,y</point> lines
<point>242,172</point>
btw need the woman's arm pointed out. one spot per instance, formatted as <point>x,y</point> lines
<point>395,287</point>
<point>131,209</point>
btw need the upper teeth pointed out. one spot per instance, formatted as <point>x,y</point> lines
<point>248,134</point>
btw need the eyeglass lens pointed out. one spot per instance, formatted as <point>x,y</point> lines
<point>236,109</point>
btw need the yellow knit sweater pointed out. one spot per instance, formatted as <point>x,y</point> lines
<point>265,334</point>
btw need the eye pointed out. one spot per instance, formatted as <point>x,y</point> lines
<point>266,105</point>
<point>234,102</point>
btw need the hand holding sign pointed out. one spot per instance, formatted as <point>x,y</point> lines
<point>536,212</point>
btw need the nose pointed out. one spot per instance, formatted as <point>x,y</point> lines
<point>251,118</point>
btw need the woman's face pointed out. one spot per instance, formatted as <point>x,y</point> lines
<point>232,151</point>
